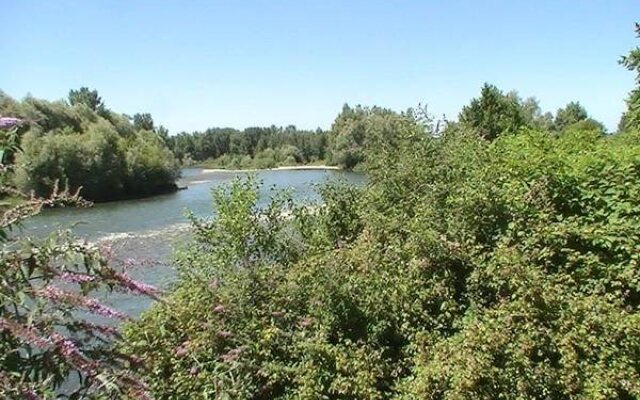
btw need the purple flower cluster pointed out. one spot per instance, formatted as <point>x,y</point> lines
<point>182,350</point>
<point>76,278</point>
<point>214,284</point>
<point>306,322</point>
<point>9,122</point>
<point>231,355</point>
<point>135,286</point>
<point>219,309</point>
<point>26,333</point>
<point>58,295</point>
<point>224,334</point>
<point>64,346</point>
<point>106,251</point>
<point>96,307</point>
<point>72,354</point>
<point>105,330</point>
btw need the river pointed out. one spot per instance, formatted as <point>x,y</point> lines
<point>147,230</point>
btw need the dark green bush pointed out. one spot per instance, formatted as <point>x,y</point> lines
<point>98,150</point>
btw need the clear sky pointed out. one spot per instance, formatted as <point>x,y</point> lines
<point>196,64</point>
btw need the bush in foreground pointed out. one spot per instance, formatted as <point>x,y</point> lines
<point>465,269</point>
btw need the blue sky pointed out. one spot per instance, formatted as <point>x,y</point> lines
<point>196,64</point>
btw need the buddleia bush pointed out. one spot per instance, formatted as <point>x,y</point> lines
<point>57,340</point>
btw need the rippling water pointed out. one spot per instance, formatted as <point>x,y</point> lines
<point>148,229</point>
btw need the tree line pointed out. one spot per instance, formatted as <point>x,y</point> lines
<point>259,147</point>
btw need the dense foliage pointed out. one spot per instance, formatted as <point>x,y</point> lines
<point>250,148</point>
<point>465,269</point>
<point>495,258</point>
<point>81,143</point>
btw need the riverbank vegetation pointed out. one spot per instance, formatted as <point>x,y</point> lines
<point>79,143</point>
<point>495,256</point>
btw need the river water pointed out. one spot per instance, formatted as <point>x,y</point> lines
<point>147,230</point>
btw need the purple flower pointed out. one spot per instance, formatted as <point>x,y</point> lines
<point>106,251</point>
<point>26,333</point>
<point>76,278</point>
<point>96,307</point>
<point>231,355</point>
<point>72,354</point>
<point>135,286</point>
<point>30,395</point>
<point>57,295</point>
<point>224,334</point>
<point>66,346</point>
<point>193,370</point>
<point>182,350</point>
<point>219,309</point>
<point>129,262</point>
<point>9,122</point>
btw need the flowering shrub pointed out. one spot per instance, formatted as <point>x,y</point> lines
<point>56,338</point>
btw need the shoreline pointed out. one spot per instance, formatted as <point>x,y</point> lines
<point>284,168</point>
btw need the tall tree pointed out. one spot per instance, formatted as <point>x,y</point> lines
<point>87,97</point>
<point>631,118</point>
<point>493,113</point>
<point>143,121</point>
<point>348,134</point>
<point>572,113</point>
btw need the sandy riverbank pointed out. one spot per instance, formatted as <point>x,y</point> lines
<point>291,168</point>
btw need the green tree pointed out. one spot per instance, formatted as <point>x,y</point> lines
<point>100,151</point>
<point>493,113</point>
<point>143,121</point>
<point>570,114</point>
<point>87,97</point>
<point>631,118</point>
<point>348,135</point>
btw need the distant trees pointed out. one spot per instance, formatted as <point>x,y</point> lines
<point>495,113</point>
<point>83,144</point>
<point>255,147</point>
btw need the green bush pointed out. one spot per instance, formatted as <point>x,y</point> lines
<point>465,269</point>
<point>97,150</point>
